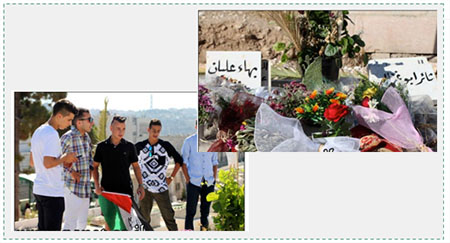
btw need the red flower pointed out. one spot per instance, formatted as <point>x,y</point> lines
<point>365,102</point>
<point>335,112</point>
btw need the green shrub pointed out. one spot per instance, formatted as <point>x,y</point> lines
<point>228,202</point>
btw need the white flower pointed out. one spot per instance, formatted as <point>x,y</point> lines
<point>373,103</point>
<point>371,117</point>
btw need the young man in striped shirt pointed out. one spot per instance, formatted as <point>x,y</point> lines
<point>77,187</point>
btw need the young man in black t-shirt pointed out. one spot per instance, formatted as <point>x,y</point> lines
<point>154,156</point>
<point>116,154</point>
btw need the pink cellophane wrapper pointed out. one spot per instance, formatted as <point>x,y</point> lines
<point>396,127</point>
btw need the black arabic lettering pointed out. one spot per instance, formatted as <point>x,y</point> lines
<point>249,71</point>
<point>422,79</point>
<point>212,72</point>
<point>431,77</point>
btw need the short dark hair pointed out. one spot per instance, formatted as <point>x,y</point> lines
<point>64,107</point>
<point>79,115</point>
<point>120,119</point>
<point>155,122</point>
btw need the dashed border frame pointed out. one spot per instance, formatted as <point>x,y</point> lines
<point>228,4</point>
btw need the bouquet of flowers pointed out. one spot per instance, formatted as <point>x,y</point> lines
<point>245,141</point>
<point>369,94</point>
<point>396,126</point>
<point>326,109</point>
<point>205,107</point>
<point>288,99</point>
<point>243,106</point>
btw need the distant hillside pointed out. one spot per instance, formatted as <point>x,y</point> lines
<point>174,121</point>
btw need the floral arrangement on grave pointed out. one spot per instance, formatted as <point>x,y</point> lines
<point>318,41</point>
<point>326,109</point>
<point>205,107</point>
<point>242,106</point>
<point>288,99</point>
<point>395,125</point>
<point>369,94</point>
<point>245,136</point>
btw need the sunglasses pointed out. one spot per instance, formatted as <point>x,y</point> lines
<point>119,118</point>
<point>90,119</point>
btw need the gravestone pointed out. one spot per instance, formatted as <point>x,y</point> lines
<point>243,66</point>
<point>416,73</point>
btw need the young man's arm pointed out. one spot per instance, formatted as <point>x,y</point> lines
<point>178,161</point>
<point>98,188</point>
<point>31,160</point>
<point>66,147</point>
<point>215,172</point>
<point>215,162</point>
<point>67,159</point>
<point>137,173</point>
<point>185,152</point>
<point>52,153</point>
<point>185,173</point>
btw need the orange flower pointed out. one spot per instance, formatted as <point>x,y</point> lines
<point>334,101</point>
<point>341,95</point>
<point>313,94</point>
<point>329,91</point>
<point>316,107</point>
<point>300,110</point>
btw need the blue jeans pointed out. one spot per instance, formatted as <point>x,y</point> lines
<point>193,192</point>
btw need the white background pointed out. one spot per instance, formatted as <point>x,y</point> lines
<point>288,195</point>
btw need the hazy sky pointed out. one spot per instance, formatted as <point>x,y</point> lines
<point>133,101</point>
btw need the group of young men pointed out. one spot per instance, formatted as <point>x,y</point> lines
<point>64,168</point>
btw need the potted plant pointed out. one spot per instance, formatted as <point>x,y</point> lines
<point>326,110</point>
<point>319,40</point>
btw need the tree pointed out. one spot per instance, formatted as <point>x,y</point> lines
<point>29,114</point>
<point>101,135</point>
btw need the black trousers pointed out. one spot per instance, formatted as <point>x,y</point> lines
<point>50,211</point>
<point>193,192</point>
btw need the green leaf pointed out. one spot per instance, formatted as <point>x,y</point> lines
<point>339,62</point>
<point>345,12</point>
<point>358,40</point>
<point>313,75</point>
<point>279,46</point>
<point>331,50</point>
<point>366,59</point>
<point>324,33</point>
<point>284,58</point>
<point>357,49</point>
<point>344,46</point>
<point>280,72</point>
<point>350,41</point>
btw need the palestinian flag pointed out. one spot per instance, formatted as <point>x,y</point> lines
<point>121,212</point>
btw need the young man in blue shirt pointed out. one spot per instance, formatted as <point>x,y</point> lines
<point>201,179</point>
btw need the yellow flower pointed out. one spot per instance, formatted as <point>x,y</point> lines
<point>369,92</point>
<point>341,96</point>
<point>313,94</point>
<point>316,107</point>
<point>334,101</point>
<point>329,91</point>
<point>307,99</point>
<point>244,123</point>
<point>300,110</point>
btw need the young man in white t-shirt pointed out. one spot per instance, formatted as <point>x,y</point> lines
<point>46,157</point>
